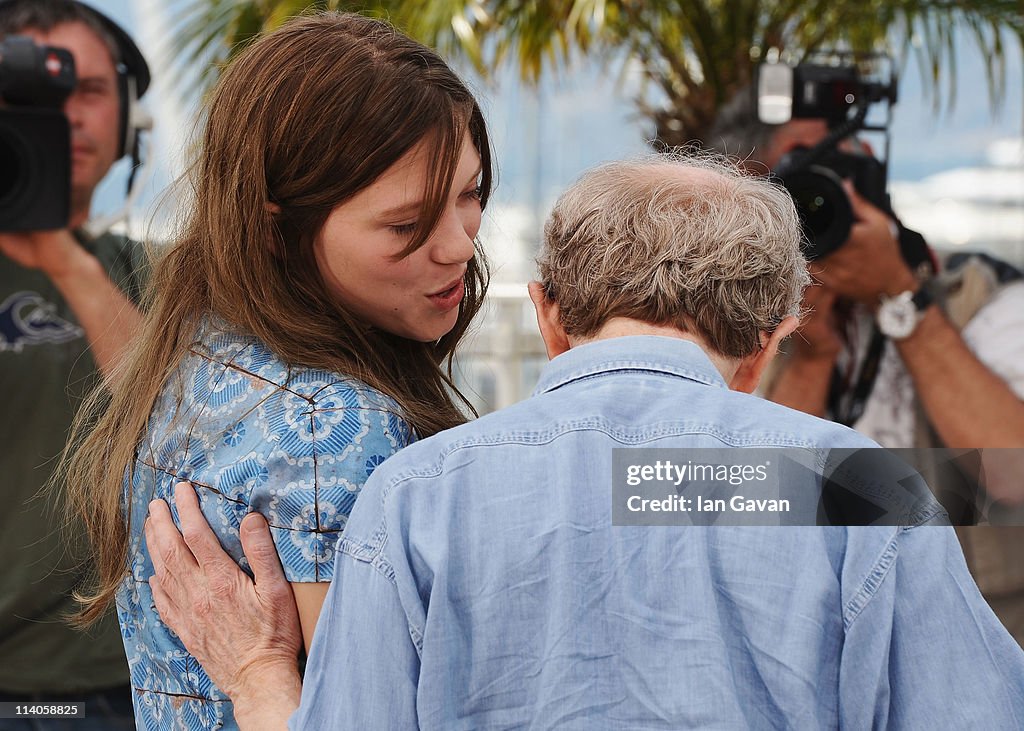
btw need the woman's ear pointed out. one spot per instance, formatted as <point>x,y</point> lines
<point>276,242</point>
<point>555,339</point>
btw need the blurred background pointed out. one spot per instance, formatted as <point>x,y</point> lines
<point>566,85</point>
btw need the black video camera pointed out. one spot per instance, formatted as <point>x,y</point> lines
<point>35,138</point>
<point>841,90</point>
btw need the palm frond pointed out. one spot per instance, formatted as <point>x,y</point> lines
<point>697,51</point>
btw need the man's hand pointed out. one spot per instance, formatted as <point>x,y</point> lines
<point>818,336</point>
<point>55,253</point>
<point>803,382</point>
<point>870,263</point>
<point>244,632</point>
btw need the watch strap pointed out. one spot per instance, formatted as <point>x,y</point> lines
<point>924,297</point>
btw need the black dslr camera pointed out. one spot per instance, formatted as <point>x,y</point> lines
<point>35,138</point>
<point>841,89</point>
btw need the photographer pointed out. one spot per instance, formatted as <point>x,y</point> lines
<point>66,311</point>
<point>911,350</point>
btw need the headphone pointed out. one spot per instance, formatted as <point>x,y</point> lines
<point>132,82</point>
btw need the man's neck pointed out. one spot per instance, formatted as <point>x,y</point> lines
<point>619,327</point>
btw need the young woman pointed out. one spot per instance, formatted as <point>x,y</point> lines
<point>297,327</point>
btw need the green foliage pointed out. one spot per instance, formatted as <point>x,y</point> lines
<point>694,53</point>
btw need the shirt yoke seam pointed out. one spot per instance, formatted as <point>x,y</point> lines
<point>599,425</point>
<point>367,549</point>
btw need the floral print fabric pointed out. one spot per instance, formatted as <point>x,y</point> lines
<point>251,434</point>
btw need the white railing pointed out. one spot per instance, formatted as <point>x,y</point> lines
<point>498,365</point>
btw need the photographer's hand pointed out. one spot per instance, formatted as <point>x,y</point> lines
<point>869,264</point>
<point>803,382</point>
<point>818,337</point>
<point>52,252</point>
<point>968,405</point>
<point>109,319</point>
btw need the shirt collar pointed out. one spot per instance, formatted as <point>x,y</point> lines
<point>655,353</point>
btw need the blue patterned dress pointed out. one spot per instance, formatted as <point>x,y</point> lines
<point>252,434</point>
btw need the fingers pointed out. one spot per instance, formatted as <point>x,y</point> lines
<point>166,547</point>
<point>165,605</point>
<point>819,298</point>
<point>818,305</point>
<point>824,305</point>
<point>258,545</point>
<point>174,566</point>
<point>866,211</point>
<point>201,540</point>
<point>173,563</point>
<point>862,210</point>
<point>827,300</point>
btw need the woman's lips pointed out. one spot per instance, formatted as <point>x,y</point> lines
<point>449,298</point>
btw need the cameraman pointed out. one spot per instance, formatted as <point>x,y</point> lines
<point>66,309</point>
<point>952,377</point>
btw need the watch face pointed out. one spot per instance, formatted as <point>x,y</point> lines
<point>897,317</point>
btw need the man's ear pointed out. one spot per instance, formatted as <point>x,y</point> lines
<point>556,341</point>
<point>751,367</point>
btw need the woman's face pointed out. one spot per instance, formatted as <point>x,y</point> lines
<point>416,297</point>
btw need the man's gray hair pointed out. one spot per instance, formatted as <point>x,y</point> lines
<point>677,240</point>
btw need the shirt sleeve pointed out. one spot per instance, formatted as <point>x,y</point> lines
<point>363,668</point>
<point>996,336</point>
<point>325,446</point>
<point>926,651</point>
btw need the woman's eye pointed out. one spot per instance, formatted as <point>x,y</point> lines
<point>403,229</point>
<point>474,194</point>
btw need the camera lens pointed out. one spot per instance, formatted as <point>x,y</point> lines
<point>824,208</point>
<point>818,211</point>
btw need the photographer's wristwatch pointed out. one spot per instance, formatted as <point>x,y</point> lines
<point>897,317</point>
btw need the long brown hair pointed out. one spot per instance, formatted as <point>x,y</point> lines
<point>305,118</point>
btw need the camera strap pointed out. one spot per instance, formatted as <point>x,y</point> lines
<point>847,412</point>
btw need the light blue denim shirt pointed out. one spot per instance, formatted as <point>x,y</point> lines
<point>480,583</point>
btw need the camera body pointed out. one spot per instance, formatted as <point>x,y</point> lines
<point>841,90</point>
<point>35,137</point>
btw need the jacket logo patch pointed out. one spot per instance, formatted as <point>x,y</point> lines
<point>28,319</point>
